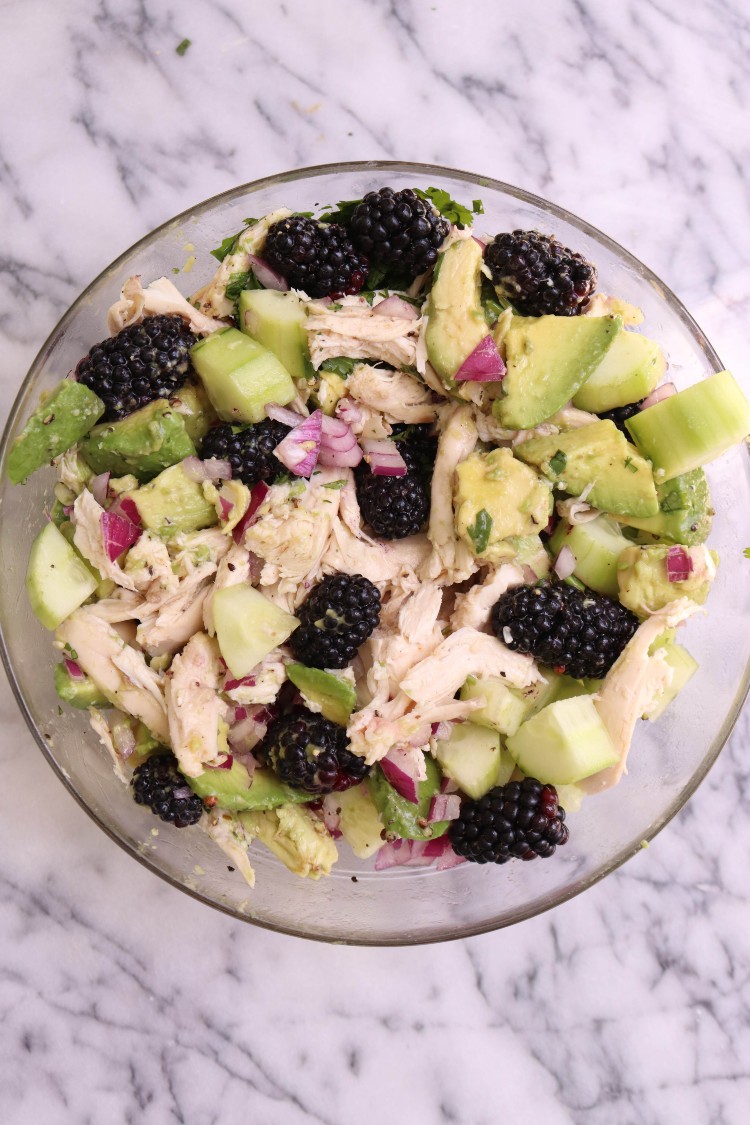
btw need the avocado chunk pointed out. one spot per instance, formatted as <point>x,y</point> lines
<point>631,370</point>
<point>248,627</point>
<point>277,321</point>
<point>684,667</point>
<point>359,821</point>
<point>296,836</point>
<point>172,503</point>
<point>548,359</point>
<point>644,579</point>
<point>240,376</point>
<point>335,696</point>
<point>78,691</point>
<point>58,422</point>
<point>456,323</point>
<point>528,550</point>
<point>600,458</point>
<point>401,817</point>
<point>693,427</point>
<point>475,759</point>
<point>498,496</point>
<point>596,546</point>
<point>685,511</point>
<point>197,413</point>
<point>143,443</point>
<point>236,791</point>
<point>564,743</point>
<point>57,580</point>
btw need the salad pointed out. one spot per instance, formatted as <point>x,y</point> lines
<point>379,540</point>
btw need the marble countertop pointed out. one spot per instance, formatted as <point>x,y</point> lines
<point>122,1000</point>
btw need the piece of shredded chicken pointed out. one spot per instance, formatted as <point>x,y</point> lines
<point>472,609</point>
<point>267,677</point>
<point>101,729</point>
<point>228,832</point>
<point>212,299</point>
<point>194,707</point>
<point>89,540</point>
<point>464,653</point>
<point>399,396</point>
<point>355,329</point>
<point>148,565</point>
<point>161,297</point>
<point>450,561</point>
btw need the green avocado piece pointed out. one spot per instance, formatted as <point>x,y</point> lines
<point>240,376</point>
<point>685,512</point>
<point>172,503</point>
<point>81,693</point>
<point>548,359</point>
<point>296,836</point>
<point>359,821</point>
<point>197,413</point>
<point>644,582</point>
<point>456,323</point>
<point>336,696</point>
<point>512,498</point>
<point>600,458</point>
<point>144,443</point>
<point>236,791</point>
<point>58,422</point>
<point>401,817</point>
<point>277,321</point>
<point>631,370</point>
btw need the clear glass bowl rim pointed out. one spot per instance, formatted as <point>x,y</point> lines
<point>474,181</point>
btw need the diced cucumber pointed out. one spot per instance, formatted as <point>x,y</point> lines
<point>474,758</point>
<point>596,546</point>
<point>503,709</point>
<point>57,581</point>
<point>359,821</point>
<point>684,668</point>
<point>693,427</point>
<point>248,627</point>
<point>630,370</point>
<point>172,503</point>
<point>240,375</point>
<point>57,423</point>
<point>563,743</point>
<point>277,321</point>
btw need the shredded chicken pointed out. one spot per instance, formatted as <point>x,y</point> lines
<point>212,299</point>
<point>149,567</point>
<point>123,605</point>
<point>194,706</point>
<point>465,653</point>
<point>89,540</point>
<point>576,510</point>
<point>356,330</point>
<point>176,618</point>
<point>363,420</point>
<point>399,396</point>
<point>228,832</point>
<point>417,635</point>
<point>159,298</point>
<point>100,727</point>
<point>72,470</point>
<point>472,609</point>
<point>268,677</point>
<point>119,671</point>
<point>451,561</point>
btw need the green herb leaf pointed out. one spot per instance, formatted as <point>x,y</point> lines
<point>492,306</point>
<point>672,503</point>
<point>451,210</point>
<point>336,484</point>
<point>342,213</point>
<point>477,206</point>
<point>746,552</point>
<point>342,365</point>
<point>479,531</point>
<point>558,462</point>
<point>239,281</point>
<point>630,464</point>
<point>229,245</point>
<point>183,46</point>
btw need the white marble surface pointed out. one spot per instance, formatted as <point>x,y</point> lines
<point>122,1000</point>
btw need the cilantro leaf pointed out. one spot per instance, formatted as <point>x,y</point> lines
<point>630,464</point>
<point>336,484</point>
<point>341,365</point>
<point>558,462</point>
<point>672,502</point>
<point>342,213</point>
<point>229,244</point>
<point>453,211</point>
<point>746,552</point>
<point>182,47</point>
<point>479,531</point>
<point>239,281</point>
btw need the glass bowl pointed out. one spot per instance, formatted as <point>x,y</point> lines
<point>401,906</point>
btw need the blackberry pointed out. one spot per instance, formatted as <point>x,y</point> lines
<point>249,451</point>
<point>309,752</point>
<point>573,631</point>
<point>539,275</point>
<point>141,363</point>
<point>394,507</point>
<point>620,415</point>
<point>159,784</point>
<point>337,617</point>
<point>521,820</point>
<point>316,257</point>
<point>421,442</point>
<point>397,228</point>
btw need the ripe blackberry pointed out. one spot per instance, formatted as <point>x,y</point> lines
<point>311,753</point>
<point>141,363</point>
<point>421,443</point>
<point>620,415</point>
<point>249,451</point>
<point>316,257</point>
<point>337,616</point>
<point>521,820</point>
<point>573,631</point>
<point>159,784</point>
<point>539,275</point>
<point>397,228</point>
<point>394,507</point>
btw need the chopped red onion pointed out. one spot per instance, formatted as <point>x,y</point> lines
<point>418,854</point>
<point>226,764</point>
<point>283,414</point>
<point>448,785</point>
<point>257,496</point>
<point>666,390</point>
<point>118,534</point>
<point>184,793</point>
<point>211,469</point>
<point>75,671</point>
<point>404,769</point>
<point>123,739</point>
<point>392,854</point>
<point>299,450</point>
<point>565,563</point>
<point>126,507</point>
<point>245,735</point>
<point>444,806</point>
<point>384,458</point>
<point>483,365</point>
<point>331,813</point>
<point>240,713</point>
<point>98,488</point>
<point>338,445</point>
<point>479,241</point>
<point>441,731</point>
<point>268,278</point>
<point>396,306</point>
<point>226,507</point>
<point>349,411</point>
<point>449,858</point>
<point>679,564</point>
<point>246,681</point>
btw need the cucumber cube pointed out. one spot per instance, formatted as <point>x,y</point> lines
<point>502,710</point>
<point>277,321</point>
<point>597,546</point>
<point>684,668</point>
<point>563,743</point>
<point>474,759</point>
<point>630,370</point>
<point>693,427</point>
<point>240,376</point>
<point>248,627</point>
<point>57,579</point>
